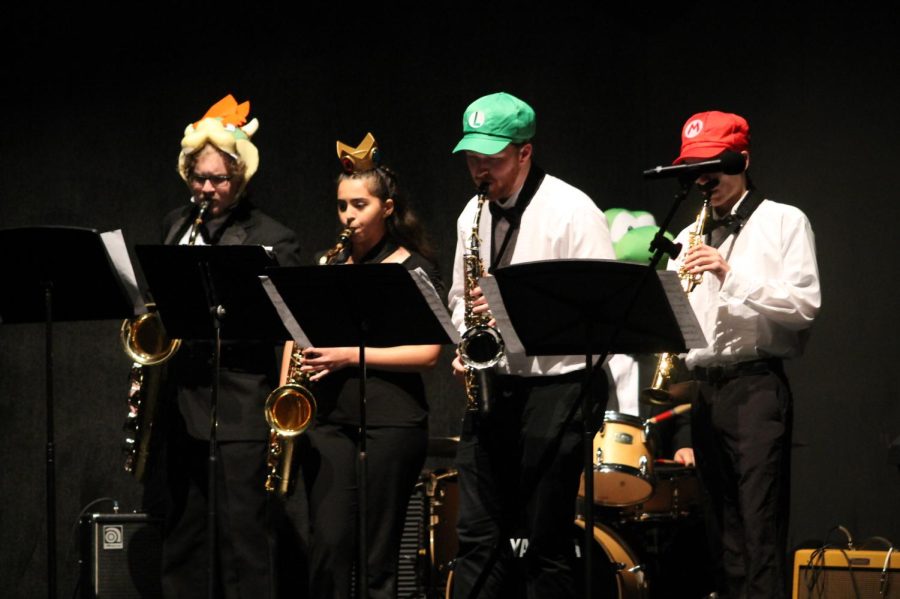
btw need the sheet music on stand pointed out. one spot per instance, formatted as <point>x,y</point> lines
<point>662,320</point>
<point>330,307</point>
<point>177,275</point>
<point>59,254</point>
<point>590,308</point>
<point>55,274</point>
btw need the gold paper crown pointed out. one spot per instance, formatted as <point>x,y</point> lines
<point>360,159</point>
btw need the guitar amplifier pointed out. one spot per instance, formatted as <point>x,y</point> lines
<point>846,574</point>
<point>121,556</point>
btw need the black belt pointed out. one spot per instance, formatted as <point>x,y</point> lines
<point>714,374</point>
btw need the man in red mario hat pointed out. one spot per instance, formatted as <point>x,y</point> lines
<point>758,298</point>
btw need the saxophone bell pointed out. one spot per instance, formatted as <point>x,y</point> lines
<point>290,409</point>
<point>480,347</point>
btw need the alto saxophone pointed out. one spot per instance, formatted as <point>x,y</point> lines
<point>291,408</point>
<point>480,346</point>
<point>658,392</point>
<point>145,341</point>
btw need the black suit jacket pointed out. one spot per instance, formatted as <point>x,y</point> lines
<point>249,370</point>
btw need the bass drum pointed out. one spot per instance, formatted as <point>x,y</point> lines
<point>617,572</point>
<point>620,574</point>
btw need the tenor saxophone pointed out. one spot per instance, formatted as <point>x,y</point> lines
<point>658,392</point>
<point>291,408</point>
<point>480,346</point>
<point>145,341</point>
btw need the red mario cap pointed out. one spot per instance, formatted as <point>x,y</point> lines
<point>708,134</point>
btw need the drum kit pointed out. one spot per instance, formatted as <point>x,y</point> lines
<point>649,527</point>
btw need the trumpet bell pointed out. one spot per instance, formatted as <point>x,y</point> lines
<point>145,341</point>
<point>290,409</point>
<point>480,347</point>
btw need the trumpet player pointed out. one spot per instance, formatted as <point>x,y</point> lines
<point>757,300</point>
<point>216,161</point>
<point>519,463</point>
<point>383,230</point>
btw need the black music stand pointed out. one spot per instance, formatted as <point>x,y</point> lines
<point>55,274</point>
<point>590,307</point>
<point>374,305</point>
<point>211,293</point>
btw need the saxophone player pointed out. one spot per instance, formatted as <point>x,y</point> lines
<point>216,161</point>
<point>384,230</point>
<point>519,464</point>
<point>758,297</point>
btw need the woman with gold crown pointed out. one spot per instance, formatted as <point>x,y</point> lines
<point>383,230</point>
<point>217,160</point>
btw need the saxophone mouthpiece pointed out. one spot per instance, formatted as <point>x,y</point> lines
<point>483,188</point>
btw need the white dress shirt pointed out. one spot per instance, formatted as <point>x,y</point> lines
<point>770,296</point>
<point>561,223</point>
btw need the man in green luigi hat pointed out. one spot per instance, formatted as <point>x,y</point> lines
<point>519,464</point>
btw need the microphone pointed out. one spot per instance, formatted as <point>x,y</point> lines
<point>730,163</point>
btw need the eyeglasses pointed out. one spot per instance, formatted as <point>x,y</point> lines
<point>216,180</point>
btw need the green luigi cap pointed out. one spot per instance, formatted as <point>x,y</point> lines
<point>490,123</point>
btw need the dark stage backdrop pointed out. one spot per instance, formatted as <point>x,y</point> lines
<point>93,115</point>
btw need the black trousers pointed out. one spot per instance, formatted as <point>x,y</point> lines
<point>395,457</point>
<point>518,480</point>
<point>741,429</point>
<point>245,544</point>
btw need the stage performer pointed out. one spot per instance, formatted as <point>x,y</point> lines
<point>519,464</point>
<point>384,230</point>
<point>217,160</point>
<point>757,300</point>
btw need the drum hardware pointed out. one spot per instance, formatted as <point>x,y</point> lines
<point>676,496</point>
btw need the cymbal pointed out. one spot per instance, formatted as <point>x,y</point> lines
<point>442,447</point>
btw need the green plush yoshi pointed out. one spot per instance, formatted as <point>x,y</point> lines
<point>631,232</point>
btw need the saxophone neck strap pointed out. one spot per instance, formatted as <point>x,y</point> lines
<point>513,214</point>
<point>733,223</point>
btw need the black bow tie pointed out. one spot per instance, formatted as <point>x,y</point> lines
<point>728,221</point>
<point>513,214</point>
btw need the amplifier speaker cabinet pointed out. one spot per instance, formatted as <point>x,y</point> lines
<point>846,574</point>
<point>121,556</point>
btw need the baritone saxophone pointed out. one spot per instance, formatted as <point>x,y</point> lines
<point>145,341</point>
